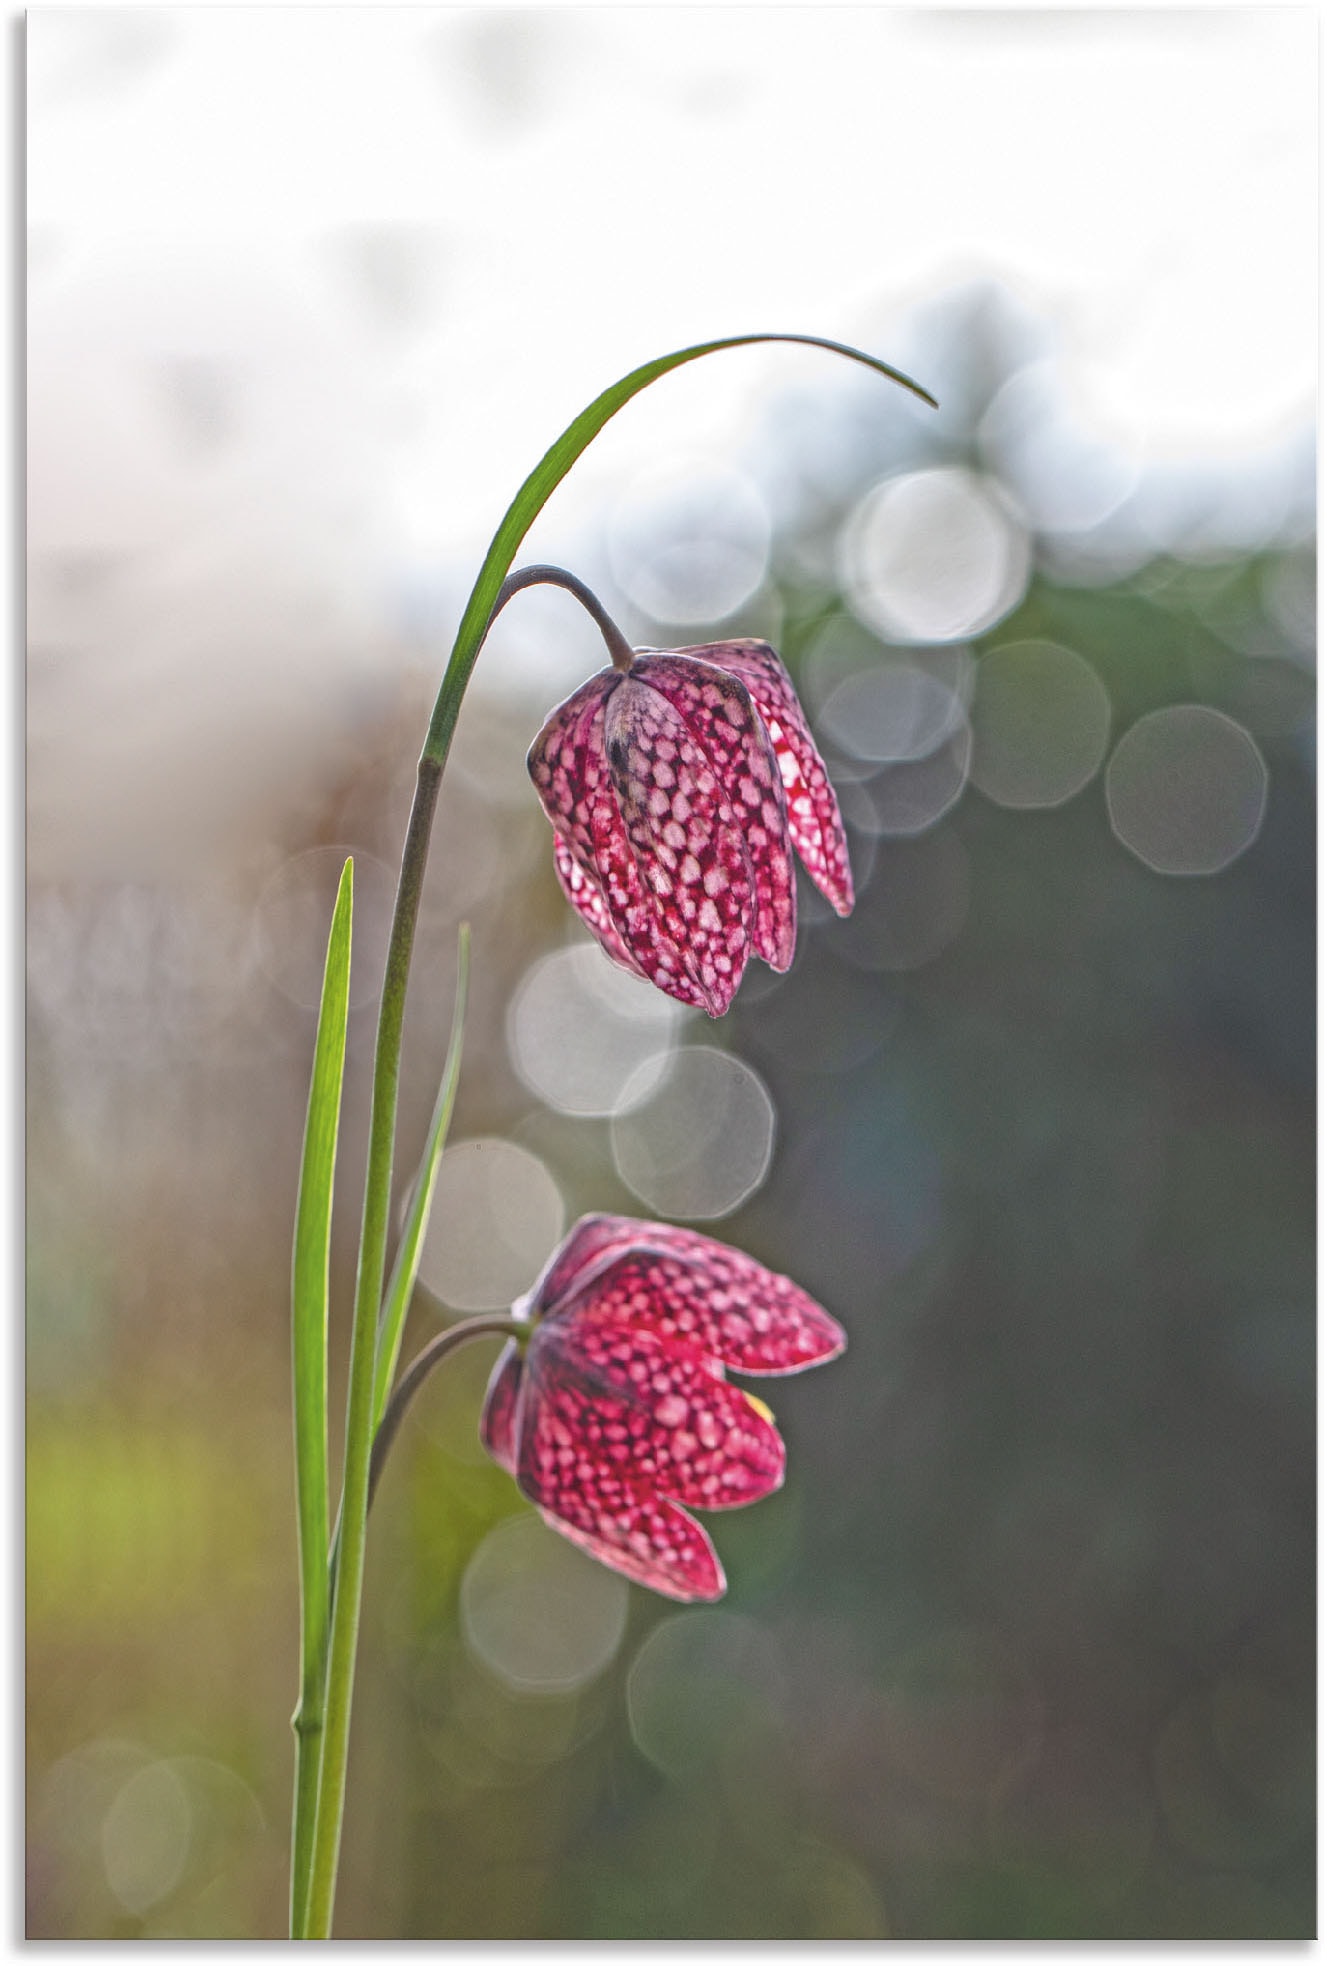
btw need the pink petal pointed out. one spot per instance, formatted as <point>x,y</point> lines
<point>685,837</point>
<point>587,898</point>
<point>687,1288</point>
<point>719,713</point>
<point>564,763</point>
<point>570,774</point>
<point>577,1464</point>
<point>753,1319</point>
<point>585,1243</point>
<point>497,1421</point>
<point>660,1546</point>
<point>652,1409</point>
<point>813,811</point>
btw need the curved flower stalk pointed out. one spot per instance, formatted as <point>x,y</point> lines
<point>678,783</point>
<point>615,1415</point>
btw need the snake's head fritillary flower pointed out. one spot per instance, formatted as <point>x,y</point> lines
<point>678,789</point>
<point>616,1415</point>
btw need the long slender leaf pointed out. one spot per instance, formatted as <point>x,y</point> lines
<point>406,1267</point>
<point>549,473</point>
<point>309,1295</point>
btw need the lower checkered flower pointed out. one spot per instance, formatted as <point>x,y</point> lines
<point>616,1415</point>
<point>678,788</point>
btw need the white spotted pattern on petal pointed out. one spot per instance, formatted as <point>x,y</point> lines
<point>677,793</point>
<point>570,774</point>
<point>722,718</point>
<point>618,1416</point>
<point>660,1546</point>
<point>685,837</point>
<point>746,1316</point>
<point>610,1406</point>
<point>587,898</point>
<point>618,1428</point>
<point>813,811</point>
<point>563,766</point>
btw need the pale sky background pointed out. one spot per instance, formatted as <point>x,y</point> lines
<point>585,187</point>
<point>312,288</point>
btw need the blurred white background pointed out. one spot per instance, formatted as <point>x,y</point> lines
<point>311,288</point>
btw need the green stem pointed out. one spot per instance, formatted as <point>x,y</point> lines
<point>317,1922</point>
<point>404,1284</point>
<point>418,1371</point>
<point>619,648</point>
<point>308,1726</point>
<point>308,1722</point>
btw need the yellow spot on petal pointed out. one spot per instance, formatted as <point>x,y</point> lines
<point>759,1406</point>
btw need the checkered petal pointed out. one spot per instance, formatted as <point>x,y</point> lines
<point>564,763</point>
<point>618,1417</point>
<point>685,837</point>
<point>734,1310</point>
<point>577,1463</point>
<point>497,1422</point>
<point>582,1254</point>
<point>813,811</point>
<point>718,711</point>
<point>682,1284</point>
<point>655,1407</point>
<point>570,774</point>
<point>660,1546</point>
<point>617,1425</point>
<point>587,898</point>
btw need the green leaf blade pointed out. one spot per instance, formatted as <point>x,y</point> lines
<point>312,1253</point>
<point>310,1267</point>
<point>552,468</point>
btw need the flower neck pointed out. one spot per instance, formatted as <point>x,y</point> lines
<point>620,650</point>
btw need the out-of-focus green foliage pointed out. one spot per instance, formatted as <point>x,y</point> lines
<point>1025,1648</point>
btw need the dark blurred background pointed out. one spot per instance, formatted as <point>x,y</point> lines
<point>1025,1647</point>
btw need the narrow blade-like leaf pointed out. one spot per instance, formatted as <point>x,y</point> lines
<point>406,1267</point>
<point>309,1294</point>
<point>551,469</point>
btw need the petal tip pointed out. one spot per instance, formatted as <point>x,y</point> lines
<point>832,1340</point>
<point>817,1343</point>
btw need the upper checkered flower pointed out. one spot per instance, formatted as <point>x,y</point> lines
<point>616,1409</point>
<point>678,788</point>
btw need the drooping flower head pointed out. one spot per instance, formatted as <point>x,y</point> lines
<point>616,1415</point>
<point>678,788</point>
